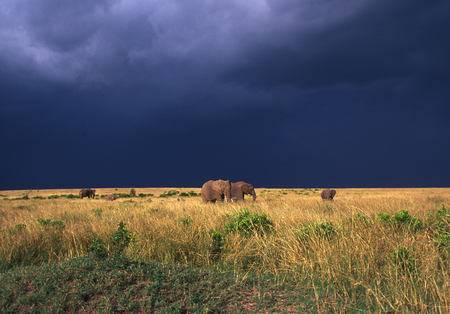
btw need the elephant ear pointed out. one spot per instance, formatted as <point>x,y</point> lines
<point>218,186</point>
<point>333,193</point>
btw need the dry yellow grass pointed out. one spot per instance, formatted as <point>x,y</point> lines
<point>359,256</point>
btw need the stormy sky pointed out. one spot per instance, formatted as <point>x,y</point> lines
<point>277,93</point>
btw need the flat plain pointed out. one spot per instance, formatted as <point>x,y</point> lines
<point>369,250</point>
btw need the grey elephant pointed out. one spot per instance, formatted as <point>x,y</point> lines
<point>239,189</point>
<point>111,197</point>
<point>213,191</point>
<point>87,193</point>
<point>328,194</point>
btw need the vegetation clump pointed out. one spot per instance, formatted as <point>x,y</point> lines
<point>402,219</point>
<point>48,222</point>
<point>246,223</point>
<point>322,230</point>
<point>170,193</point>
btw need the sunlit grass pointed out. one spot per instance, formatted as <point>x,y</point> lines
<point>355,260</point>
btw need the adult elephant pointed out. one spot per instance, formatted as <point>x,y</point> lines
<point>328,194</point>
<point>239,189</point>
<point>213,191</point>
<point>87,193</point>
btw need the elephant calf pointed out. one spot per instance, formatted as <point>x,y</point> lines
<point>87,192</point>
<point>328,195</point>
<point>239,189</point>
<point>111,197</point>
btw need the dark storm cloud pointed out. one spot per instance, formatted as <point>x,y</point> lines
<point>387,41</point>
<point>172,93</point>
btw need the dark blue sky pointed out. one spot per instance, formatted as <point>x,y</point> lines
<point>278,93</point>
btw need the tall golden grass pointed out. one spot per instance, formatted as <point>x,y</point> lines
<point>359,256</point>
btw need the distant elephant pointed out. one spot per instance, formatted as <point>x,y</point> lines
<point>328,194</point>
<point>87,193</point>
<point>213,191</point>
<point>111,197</point>
<point>239,189</point>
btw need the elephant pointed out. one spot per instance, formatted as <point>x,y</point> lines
<point>239,189</point>
<point>328,194</point>
<point>213,191</point>
<point>111,197</point>
<point>87,192</point>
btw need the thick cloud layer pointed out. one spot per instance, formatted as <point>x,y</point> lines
<point>173,93</point>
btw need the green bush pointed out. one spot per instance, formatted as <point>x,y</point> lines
<point>49,222</point>
<point>170,193</point>
<point>122,238</point>
<point>401,257</point>
<point>245,222</point>
<point>441,241</point>
<point>323,229</point>
<point>402,219</point>
<point>218,242</point>
<point>98,249</point>
<point>52,197</point>
<point>70,196</point>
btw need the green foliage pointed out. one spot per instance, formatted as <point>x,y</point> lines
<point>98,249</point>
<point>49,222</point>
<point>190,193</point>
<point>25,197</point>
<point>441,241</point>
<point>246,223</point>
<point>402,219</point>
<point>361,217</point>
<point>121,285</point>
<point>52,197</point>
<point>185,221</point>
<point>70,196</point>
<point>402,258</point>
<point>170,193</point>
<point>122,238</point>
<point>123,195</point>
<point>144,195</point>
<point>218,242</point>
<point>38,198</point>
<point>441,220</point>
<point>17,228</point>
<point>323,230</point>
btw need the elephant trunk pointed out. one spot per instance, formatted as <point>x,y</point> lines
<point>254,195</point>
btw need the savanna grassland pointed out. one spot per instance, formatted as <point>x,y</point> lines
<point>164,251</point>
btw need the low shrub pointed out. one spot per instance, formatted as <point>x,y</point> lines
<point>246,223</point>
<point>121,239</point>
<point>401,257</point>
<point>218,242</point>
<point>170,193</point>
<point>402,219</point>
<point>323,230</point>
<point>49,222</point>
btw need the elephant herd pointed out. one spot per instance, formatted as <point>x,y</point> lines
<point>217,191</point>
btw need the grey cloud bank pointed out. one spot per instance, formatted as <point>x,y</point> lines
<point>174,93</point>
